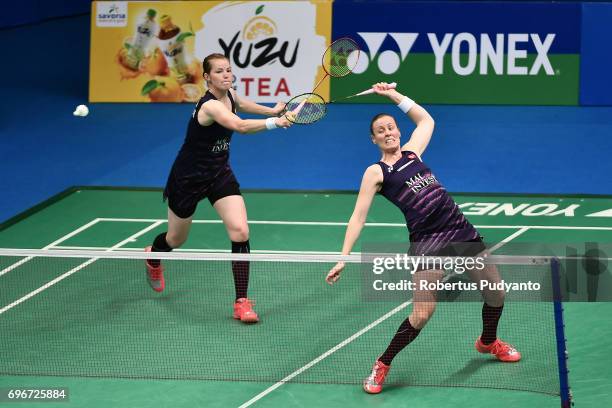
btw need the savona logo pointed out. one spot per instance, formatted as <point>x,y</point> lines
<point>482,52</point>
<point>111,14</point>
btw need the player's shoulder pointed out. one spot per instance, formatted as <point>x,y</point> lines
<point>212,104</point>
<point>411,152</point>
<point>373,172</point>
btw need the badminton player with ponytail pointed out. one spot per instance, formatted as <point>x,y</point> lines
<point>436,225</point>
<point>201,170</point>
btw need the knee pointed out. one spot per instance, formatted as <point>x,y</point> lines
<point>175,240</point>
<point>239,233</point>
<point>421,315</point>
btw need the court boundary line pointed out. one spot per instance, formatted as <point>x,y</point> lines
<point>52,245</point>
<point>508,239</point>
<point>75,269</point>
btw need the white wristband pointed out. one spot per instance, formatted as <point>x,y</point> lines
<point>271,123</point>
<point>406,104</point>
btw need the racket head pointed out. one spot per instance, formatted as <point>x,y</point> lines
<point>305,109</point>
<point>340,58</point>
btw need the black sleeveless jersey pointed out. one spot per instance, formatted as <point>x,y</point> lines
<point>205,151</point>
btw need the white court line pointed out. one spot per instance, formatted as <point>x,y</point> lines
<point>367,224</point>
<point>76,269</point>
<point>325,355</point>
<point>508,239</point>
<point>51,245</point>
<point>265,222</point>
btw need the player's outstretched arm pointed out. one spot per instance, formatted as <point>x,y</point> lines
<point>215,111</point>
<point>372,179</point>
<point>248,106</point>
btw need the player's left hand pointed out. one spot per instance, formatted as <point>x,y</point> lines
<point>334,273</point>
<point>278,108</point>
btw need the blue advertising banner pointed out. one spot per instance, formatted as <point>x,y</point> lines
<point>465,52</point>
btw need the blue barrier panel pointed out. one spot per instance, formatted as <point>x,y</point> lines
<point>31,11</point>
<point>596,54</point>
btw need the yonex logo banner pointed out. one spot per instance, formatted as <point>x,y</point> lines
<point>505,53</point>
<point>499,55</point>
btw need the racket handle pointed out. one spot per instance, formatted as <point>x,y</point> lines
<point>392,85</point>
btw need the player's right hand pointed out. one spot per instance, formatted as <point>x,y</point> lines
<point>283,122</point>
<point>334,273</point>
<point>383,88</point>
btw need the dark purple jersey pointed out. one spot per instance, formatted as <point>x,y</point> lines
<point>432,217</point>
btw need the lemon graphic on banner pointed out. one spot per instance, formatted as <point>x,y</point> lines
<point>259,26</point>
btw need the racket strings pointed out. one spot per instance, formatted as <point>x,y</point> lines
<point>339,60</point>
<point>306,108</point>
<point>341,57</point>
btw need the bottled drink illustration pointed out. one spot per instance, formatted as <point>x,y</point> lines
<point>138,48</point>
<point>172,45</point>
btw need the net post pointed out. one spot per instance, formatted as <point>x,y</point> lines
<point>562,355</point>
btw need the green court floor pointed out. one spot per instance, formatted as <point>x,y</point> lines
<point>287,222</point>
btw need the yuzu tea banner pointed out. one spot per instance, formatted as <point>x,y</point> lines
<point>153,51</point>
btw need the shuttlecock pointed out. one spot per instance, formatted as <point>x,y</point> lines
<point>81,110</point>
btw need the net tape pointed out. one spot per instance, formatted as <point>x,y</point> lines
<point>264,257</point>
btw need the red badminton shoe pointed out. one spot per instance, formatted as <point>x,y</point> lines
<point>243,311</point>
<point>155,274</point>
<point>502,350</point>
<point>374,383</point>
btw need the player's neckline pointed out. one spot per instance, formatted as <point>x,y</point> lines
<point>395,162</point>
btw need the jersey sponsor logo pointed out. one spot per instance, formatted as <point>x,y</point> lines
<point>418,182</point>
<point>221,145</point>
